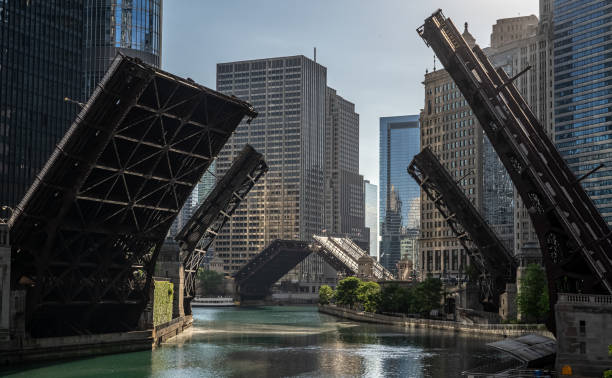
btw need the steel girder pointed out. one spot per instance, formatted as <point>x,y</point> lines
<point>575,240</point>
<point>229,192</point>
<point>489,255</point>
<point>87,233</point>
<point>256,277</point>
<point>343,255</point>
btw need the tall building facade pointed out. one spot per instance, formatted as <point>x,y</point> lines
<point>451,130</point>
<point>522,42</point>
<point>344,190</point>
<point>207,182</point>
<point>399,194</point>
<point>288,202</point>
<point>371,215</point>
<point>131,27</point>
<point>40,65</point>
<point>583,93</point>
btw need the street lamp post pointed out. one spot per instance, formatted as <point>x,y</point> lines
<point>5,208</point>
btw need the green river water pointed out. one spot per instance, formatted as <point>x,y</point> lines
<point>284,341</point>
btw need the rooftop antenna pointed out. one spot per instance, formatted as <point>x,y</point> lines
<point>315,54</point>
<point>434,62</point>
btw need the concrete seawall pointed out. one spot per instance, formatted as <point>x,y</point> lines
<point>506,330</point>
<point>165,331</point>
<point>58,348</point>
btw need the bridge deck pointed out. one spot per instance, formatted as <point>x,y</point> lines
<point>495,263</point>
<point>87,233</point>
<point>205,224</point>
<point>260,273</point>
<point>576,241</point>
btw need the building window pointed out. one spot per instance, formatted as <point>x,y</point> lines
<point>582,328</point>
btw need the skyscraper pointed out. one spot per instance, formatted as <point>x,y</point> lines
<point>582,94</point>
<point>371,215</point>
<point>132,27</point>
<point>450,129</point>
<point>40,65</point>
<point>518,43</point>
<point>344,201</point>
<point>399,194</point>
<point>207,183</point>
<point>287,203</point>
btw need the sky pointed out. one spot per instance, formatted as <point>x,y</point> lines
<point>373,55</point>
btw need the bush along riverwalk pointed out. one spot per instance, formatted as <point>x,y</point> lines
<point>411,307</point>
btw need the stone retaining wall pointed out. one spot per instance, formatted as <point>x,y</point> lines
<point>56,348</point>
<point>506,330</point>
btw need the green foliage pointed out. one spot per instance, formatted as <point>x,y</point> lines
<point>368,294</point>
<point>428,295</point>
<point>608,374</point>
<point>610,350</point>
<point>394,298</point>
<point>421,298</point>
<point>210,281</point>
<point>162,303</point>
<point>532,299</point>
<point>325,294</point>
<point>346,291</point>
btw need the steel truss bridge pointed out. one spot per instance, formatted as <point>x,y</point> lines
<point>86,236</point>
<point>256,277</point>
<point>575,240</point>
<point>343,255</point>
<point>202,228</point>
<point>495,263</point>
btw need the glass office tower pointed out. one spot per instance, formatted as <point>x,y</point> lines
<point>583,93</point>
<point>399,193</point>
<point>40,64</point>
<point>132,27</point>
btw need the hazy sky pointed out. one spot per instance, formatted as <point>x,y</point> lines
<point>373,55</point>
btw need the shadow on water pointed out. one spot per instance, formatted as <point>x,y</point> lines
<point>135,364</point>
<point>284,341</point>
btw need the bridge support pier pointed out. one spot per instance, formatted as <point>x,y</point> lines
<point>169,266</point>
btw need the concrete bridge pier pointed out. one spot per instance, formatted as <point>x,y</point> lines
<point>170,266</point>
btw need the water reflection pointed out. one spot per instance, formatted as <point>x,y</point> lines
<point>287,341</point>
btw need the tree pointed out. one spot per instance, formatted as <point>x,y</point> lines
<point>210,281</point>
<point>346,291</point>
<point>532,299</point>
<point>427,296</point>
<point>394,298</point>
<point>368,293</point>
<point>325,294</point>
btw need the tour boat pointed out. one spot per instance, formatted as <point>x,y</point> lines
<point>213,302</point>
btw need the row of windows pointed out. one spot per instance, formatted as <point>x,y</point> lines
<point>582,45</point>
<point>583,62</point>
<point>558,18</point>
<point>584,114</point>
<point>579,20</point>
<point>590,104</point>
<point>278,63</point>
<point>575,99</point>
<point>584,71</point>
<point>581,28</point>
<point>583,36</point>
